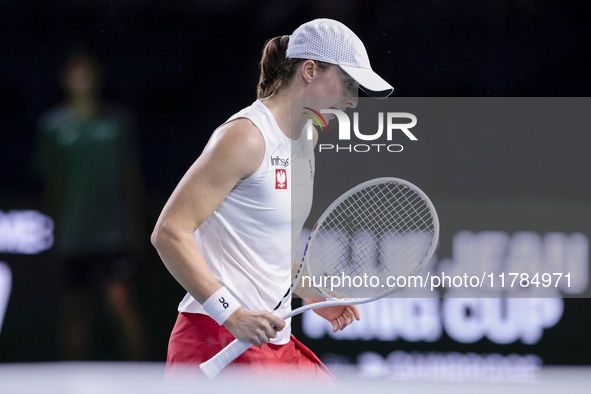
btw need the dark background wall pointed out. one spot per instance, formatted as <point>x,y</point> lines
<point>183,67</point>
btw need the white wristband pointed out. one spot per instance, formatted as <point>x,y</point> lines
<point>220,305</point>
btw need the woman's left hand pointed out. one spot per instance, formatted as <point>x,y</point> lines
<point>340,316</point>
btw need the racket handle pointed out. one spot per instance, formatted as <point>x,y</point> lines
<point>212,367</point>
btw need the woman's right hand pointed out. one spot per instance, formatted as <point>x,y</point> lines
<point>256,327</point>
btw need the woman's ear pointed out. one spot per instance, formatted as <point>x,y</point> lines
<point>309,70</point>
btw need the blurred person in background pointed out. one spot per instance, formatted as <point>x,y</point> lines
<point>87,156</point>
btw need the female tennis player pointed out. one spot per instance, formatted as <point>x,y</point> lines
<point>226,231</point>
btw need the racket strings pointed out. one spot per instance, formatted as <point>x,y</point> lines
<point>405,204</point>
<point>384,229</point>
<point>415,212</point>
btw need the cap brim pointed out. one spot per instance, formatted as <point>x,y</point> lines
<point>370,82</point>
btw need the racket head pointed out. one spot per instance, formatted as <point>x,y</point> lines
<point>380,228</point>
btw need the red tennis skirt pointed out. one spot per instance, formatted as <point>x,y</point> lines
<point>196,338</point>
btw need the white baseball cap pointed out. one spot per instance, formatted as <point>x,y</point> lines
<point>327,40</point>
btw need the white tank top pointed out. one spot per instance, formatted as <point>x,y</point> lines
<point>249,241</point>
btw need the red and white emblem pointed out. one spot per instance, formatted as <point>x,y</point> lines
<point>280,179</point>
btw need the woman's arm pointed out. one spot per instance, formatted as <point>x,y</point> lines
<point>234,152</point>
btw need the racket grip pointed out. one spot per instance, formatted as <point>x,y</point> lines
<point>212,367</point>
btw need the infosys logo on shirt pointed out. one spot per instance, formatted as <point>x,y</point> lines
<point>279,162</point>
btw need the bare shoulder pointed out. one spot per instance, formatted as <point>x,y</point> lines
<point>240,132</point>
<point>239,143</point>
<point>234,151</point>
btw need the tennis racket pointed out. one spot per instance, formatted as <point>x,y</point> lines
<point>382,228</point>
